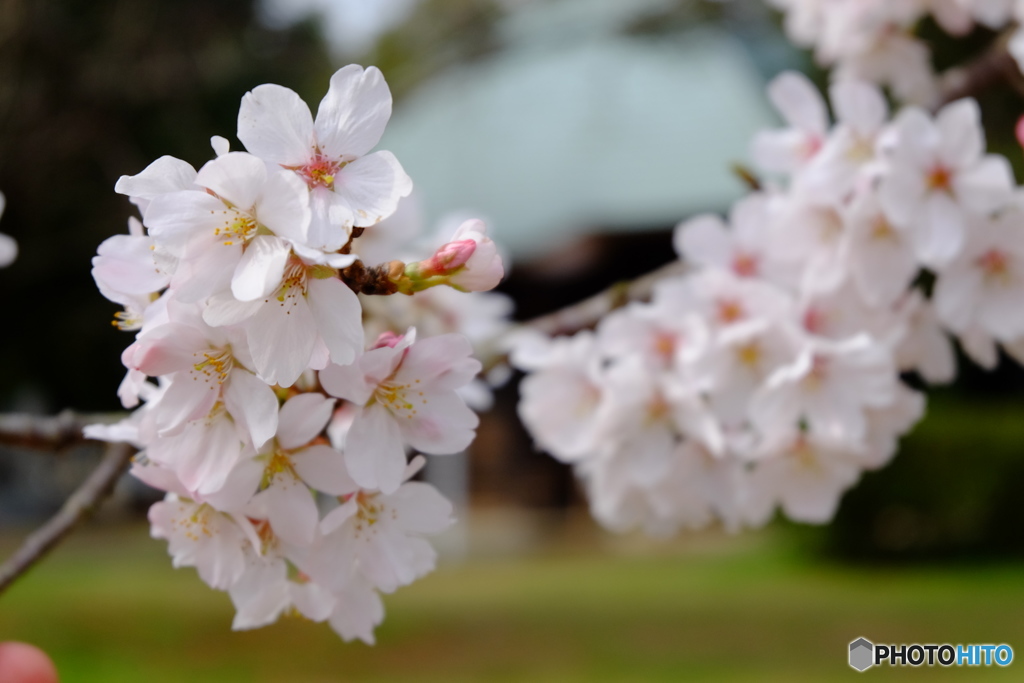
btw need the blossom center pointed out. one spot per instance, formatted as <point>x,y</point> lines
<point>321,171</point>
<point>237,227</point>
<point>939,179</point>
<point>216,365</point>
<point>744,264</point>
<point>397,398</point>
<point>995,265</point>
<point>729,311</point>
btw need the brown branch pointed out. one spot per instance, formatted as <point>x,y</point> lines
<point>994,66</point>
<point>376,280</point>
<point>48,432</point>
<point>79,506</point>
<point>586,313</point>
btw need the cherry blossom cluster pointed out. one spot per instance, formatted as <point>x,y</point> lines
<point>874,40</point>
<point>279,425</point>
<point>769,375</point>
<point>8,247</point>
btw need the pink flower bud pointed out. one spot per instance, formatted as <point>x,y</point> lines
<point>483,269</point>
<point>389,339</point>
<point>449,258</point>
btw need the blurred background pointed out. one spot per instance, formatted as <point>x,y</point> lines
<point>583,131</point>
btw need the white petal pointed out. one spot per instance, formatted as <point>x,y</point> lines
<point>281,337</point>
<point>291,509</point>
<point>440,424</point>
<point>302,419</point>
<point>260,270</point>
<point>236,176</point>
<point>252,403</point>
<point>323,468</point>
<point>275,124</point>
<point>339,318</point>
<point>374,452</point>
<point>283,206</point>
<point>353,114</point>
<point>372,186</point>
<point>799,102</point>
<point>8,250</point>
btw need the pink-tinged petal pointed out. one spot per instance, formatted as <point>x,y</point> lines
<point>187,398</point>
<point>443,362</point>
<point>957,294</point>
<point>209,453</point>
<point>275,124</point>
<point>283,206</point>
<point>986,186</point>
<point>224,309</point>
<point>859,105</point>
<point>291,509</point>
<point>980,347</point>
<point>780,151</point>
<point>961,141</point>
<point>239,489</point>
<point>799,102</point>
<point>158,477</point>
<point>303,418</point>
<point>174,219</point>
<point>313,601</point>
<point>166,349</point>
<point>374,453</point>
<point>339,318</point>
<point>281,337</point>
<point>260,270</point>
<point>900,195</point>
<point>209,273</point>
<point>421,508</point>
<point>338,516</point>
<point>236,177</point>
<point>126,263</point>
<point>331,220</point>
<point>353,114</point>
<point>252,404</point>
<point>440,424</point>
<point>166,174</point>
<point>938,234</point>
<point>261,594</point>
<point>9,250</point>
<point>359,610</point>
<point>703,240</point>
<point>372,186</point>
<point>323,468</point>
<point>347,382</point>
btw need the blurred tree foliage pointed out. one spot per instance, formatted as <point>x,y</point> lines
<point>438,34</point>
<point>91,90</point>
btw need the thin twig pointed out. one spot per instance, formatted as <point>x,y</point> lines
<point>79,506</point>
<point>48,432</point>
<point>994,66</point>
<point>589,311</point>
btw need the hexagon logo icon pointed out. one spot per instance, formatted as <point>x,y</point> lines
<point>862,654</point>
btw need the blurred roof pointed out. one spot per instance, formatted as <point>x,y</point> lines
<point>576,127</point>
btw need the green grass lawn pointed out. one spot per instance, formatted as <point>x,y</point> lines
<point>109,607</point>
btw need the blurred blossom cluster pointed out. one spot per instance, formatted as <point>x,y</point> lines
<point>769,374</point>
<point>8,247</point>
<point>282,412</point>
<point>873,40</point>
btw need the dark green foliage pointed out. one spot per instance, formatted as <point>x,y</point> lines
<point>90,91</point>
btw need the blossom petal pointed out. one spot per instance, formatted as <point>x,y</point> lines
<point>275,124</point>
<point>372,186</point>
<point>261,268</point>
<point>353,114</point>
